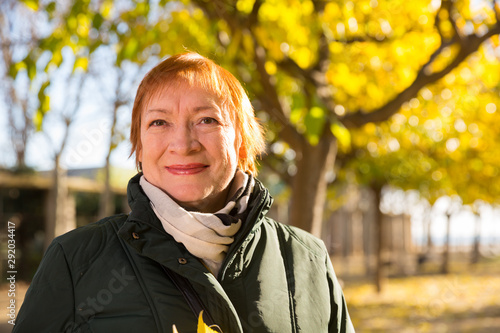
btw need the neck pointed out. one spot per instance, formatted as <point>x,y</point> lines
<point>207,205</point>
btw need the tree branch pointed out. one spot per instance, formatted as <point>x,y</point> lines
<point>496,10</point>
<point>468,45</point>
<point>269,97</point>
<point>361,117</point>
<point>253,17</point>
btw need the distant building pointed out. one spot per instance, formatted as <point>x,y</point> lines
<point>26,199</point>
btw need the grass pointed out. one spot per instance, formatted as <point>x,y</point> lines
<point>467,300</point>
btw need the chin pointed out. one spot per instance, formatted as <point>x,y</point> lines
<point>186,197</point>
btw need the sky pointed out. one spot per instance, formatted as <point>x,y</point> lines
<point>86,146</point>
<point>90,129</point>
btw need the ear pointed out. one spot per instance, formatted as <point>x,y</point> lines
<point>242,152</point>
<point>240,148</point>
<point>138,152</point>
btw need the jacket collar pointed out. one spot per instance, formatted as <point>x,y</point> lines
<point>144,232</point>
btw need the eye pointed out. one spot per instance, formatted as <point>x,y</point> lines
<point>208,121</point>
<point>157,122</point>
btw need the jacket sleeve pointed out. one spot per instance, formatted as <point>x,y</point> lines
<point>339,321</point>
<point>49,303</point>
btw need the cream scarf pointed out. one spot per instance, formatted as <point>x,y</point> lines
<point>206,236</point>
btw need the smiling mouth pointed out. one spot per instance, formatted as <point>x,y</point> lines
<point>186,169</point>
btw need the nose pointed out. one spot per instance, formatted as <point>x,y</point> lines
<point>183,140</point>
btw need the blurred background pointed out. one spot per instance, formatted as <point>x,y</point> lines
<point>382,126</point>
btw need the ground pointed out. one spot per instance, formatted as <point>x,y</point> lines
<point>467,300</point>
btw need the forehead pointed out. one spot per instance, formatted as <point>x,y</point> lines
<point>176,89</point>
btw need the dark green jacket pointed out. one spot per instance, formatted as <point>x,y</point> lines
<point>106,277</point>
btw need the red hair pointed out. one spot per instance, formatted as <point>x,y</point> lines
<point>199,71</point>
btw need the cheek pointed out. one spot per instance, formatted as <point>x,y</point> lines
<point>151,145</point>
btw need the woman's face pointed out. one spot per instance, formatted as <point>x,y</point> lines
<point>189,147</point>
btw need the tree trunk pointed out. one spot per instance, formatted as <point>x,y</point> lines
<point>60,206</point>
<point>368,242</point>
<point>445,269</point>
<point>380,274</point>
<point>107,203</point>
<point>309,184</point>
<point>428,230</point>
<point>475,256</point>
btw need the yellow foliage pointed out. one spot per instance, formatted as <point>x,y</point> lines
<point>343,136</point>
<point>271,68</point>
<point>370,128</point>
<point>202,327</point>
<point>106,9</point>
<point>297,115</point>
<point>245,6</point>
<point>83,25</point>
<point>38,119</point>
<point>336,47</point>
<point>20,66</point>
<point>268,12</point>
<point>72,23</point>
<point>198,14</point>
<point>307,7</point>
<point>31,4</point>
<point>82,63</point>
<point>303,57</point>
<point>332,11</point>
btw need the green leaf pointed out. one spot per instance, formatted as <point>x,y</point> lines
<point>314,122</point>
<point>13,70</point>
<point>97,21</point>
<point>50,8</point>
<point>30,67</point>
<point>131,48</point>
<point>43,100</point>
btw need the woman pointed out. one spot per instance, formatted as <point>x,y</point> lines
<point>197,237</point>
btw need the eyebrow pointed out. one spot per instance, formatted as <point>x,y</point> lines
<point>196,109</point>
<point>155,110</point>
<point>206,107</point>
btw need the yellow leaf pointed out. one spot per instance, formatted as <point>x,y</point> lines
<point>343,136</point>
<point>31,4</point>
<point>271,67</point>
<point>37,120</point>
<point>106,9</point>
<point>332,11</point>
<point>82,63</point>
<point>20,65</point>
<point>303,57</point>
<point>245,6</point>
<point>45,104</point>
<point>202,327</point>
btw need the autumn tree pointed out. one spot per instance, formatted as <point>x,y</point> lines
<point>319,67</point>
<point>17,73</point>
<point>441,143</point>
<point>314,69</point>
